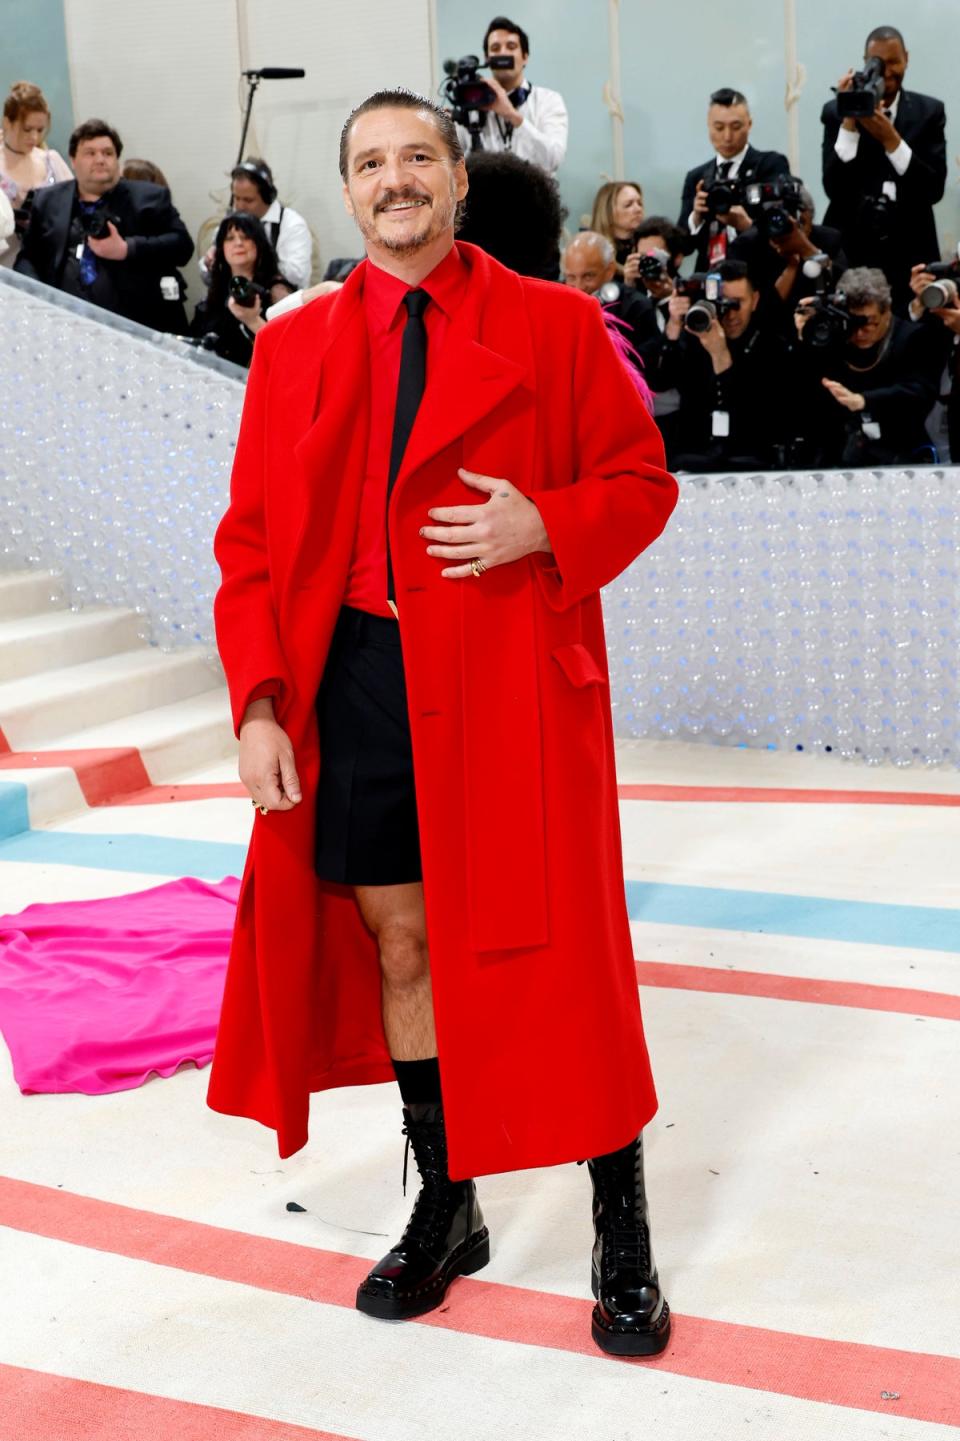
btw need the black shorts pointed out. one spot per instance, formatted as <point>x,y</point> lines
<point>367,832</point>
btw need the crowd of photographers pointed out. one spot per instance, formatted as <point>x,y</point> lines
<point>768,339</point>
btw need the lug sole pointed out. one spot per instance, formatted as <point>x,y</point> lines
<point>472,1255</point>
<point>624,1341</point>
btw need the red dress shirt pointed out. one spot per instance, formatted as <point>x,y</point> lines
<point>366,587</point>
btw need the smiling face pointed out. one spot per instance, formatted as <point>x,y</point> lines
<point>402,187</point>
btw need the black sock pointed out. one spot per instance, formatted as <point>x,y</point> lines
<point>419,1081</point>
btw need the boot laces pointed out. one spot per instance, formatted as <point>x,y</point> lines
<point>437,1198</point>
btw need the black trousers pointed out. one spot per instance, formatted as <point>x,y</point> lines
<point>367,832</point>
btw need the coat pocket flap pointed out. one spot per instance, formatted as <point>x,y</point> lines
<point>578,665</point>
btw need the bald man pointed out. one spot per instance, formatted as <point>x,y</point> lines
<point>590,265</point>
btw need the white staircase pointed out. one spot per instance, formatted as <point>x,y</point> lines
<point>82,681</point>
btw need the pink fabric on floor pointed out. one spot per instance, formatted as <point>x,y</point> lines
<point>96,996</point>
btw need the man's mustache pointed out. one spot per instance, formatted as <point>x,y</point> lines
<point>393,197</point>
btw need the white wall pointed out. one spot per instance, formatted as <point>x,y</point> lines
<point>167,77</point>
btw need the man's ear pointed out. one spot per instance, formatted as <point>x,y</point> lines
<point>347,202</point>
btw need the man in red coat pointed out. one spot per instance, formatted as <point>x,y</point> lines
<point>438,468</point>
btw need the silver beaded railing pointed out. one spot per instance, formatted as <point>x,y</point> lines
<point>798,610</point>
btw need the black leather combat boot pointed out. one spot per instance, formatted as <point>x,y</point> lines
<point>445,1236</point>
<point>631,1317</point>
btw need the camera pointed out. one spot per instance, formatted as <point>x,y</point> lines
<point>866,92</point>
<point>97,225</point>
<point>944,290</point>
<point>706,292</point>
<point>774,205</point>
<point>830,324</point>
<point>722,195</point>
<point>463,88</point>
<point>654,266</point>
<point>245,291</point>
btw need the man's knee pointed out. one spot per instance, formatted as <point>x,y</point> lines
<point>404,959</point>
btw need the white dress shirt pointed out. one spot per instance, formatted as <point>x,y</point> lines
<point>694,221</point>
<point>848,143</point>
<point>293,244</point>
<point>541,139</point>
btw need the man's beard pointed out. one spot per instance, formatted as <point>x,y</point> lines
<point>441,220</point>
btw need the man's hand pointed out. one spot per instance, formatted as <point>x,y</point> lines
<point>881,129</point>
<point>846,83</point>
<point>795,242</point>
<point>112,247</point>
<point>803,313</point>
<point>950,315</point>
<point>738,218</point>
<point>503,105</point>
<point>504,528</point>
<point>700,208</point>
<point>631,268</point>
<point>714,342</point>
<point>676,310</point>
<point>849,399</point>
<point>267,767</point>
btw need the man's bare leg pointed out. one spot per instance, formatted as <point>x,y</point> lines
<point>396,917</point>
<point>445,1236</point>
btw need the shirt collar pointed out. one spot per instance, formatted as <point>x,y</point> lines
<point>383,293</point>
<point>272,214</point>
<point>894,106</point>
<point>735,161</point>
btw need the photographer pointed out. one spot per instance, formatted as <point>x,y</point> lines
<point>787,255</point>
<point>885,168</point>
<point>253,192</point>
<point>732,376</point>
<point>112,242</point>
<point>711,211</point>
<point>943,323</point>
<point>653,264</point>
<point>528,119</point>
<point>869,378</point>
<point>617,211</point>
<point>590,265</point>
<point>244,282</point>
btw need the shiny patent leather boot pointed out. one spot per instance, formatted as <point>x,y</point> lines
<point>631,1317</point>
<point>445,1236</point>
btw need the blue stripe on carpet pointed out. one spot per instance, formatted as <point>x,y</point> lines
<point>149,855</point>
<point>14,808</point>
<point>924,928</point>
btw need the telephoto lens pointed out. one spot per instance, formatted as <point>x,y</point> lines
<point>939,294</point>
<point>700,317</point>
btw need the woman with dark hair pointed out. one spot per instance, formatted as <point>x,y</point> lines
<point>244,282</point>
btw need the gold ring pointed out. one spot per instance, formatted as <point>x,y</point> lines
<point>258,807</point>
<point>477,566</point>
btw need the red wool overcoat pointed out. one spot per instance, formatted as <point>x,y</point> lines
<point>541,1046</point>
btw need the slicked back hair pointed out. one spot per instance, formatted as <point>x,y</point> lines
<point>884,32</point>
<point>727,96</point>
<point>401,100</point>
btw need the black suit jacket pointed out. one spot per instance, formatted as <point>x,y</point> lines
<point>158,241</point>
<point>913,232</point>
<point>757,165</point>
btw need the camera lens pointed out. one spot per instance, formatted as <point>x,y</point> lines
<point>700,317</point>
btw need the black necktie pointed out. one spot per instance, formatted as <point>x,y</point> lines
<point>723,169</point>
<point>413,376</point>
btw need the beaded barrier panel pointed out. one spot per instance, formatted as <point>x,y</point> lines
<point>816,612</point>
<point>115,455</point>
<point>796,611</point>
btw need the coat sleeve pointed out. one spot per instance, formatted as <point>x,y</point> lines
<point>545,142</point>
<point>166,241</point>
<point>244,613</point>
<point>924,180</point>
<point>621,495</point>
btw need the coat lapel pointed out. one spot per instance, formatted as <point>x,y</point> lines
<point>59,211</point>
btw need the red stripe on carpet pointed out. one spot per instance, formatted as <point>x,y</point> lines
<point>838,1373</point>
<point>774,795</point>
<point>164,795</point>
<point>667,976</point>
<point>34,1405</point>
<point>102,774</point>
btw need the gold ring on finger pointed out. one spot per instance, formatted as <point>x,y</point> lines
<point>477,566</point>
